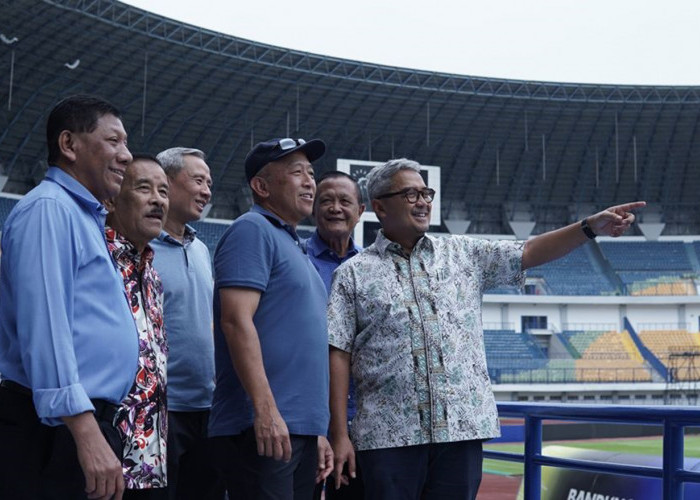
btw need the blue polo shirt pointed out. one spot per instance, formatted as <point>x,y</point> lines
<point>262,252</point>
<point>185,270</point>
<point>66,330</point>
<point>326,261</point>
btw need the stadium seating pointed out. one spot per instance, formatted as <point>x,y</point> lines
<point>574,274</point>
<point>678,350</point>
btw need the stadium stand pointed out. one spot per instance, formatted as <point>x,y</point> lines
<point>652,267</point>
<point>575,274</point>
<point>678,350</point>
<point>563,150</point>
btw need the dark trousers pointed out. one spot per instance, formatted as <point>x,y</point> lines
<point>40,461</point>
<point>249,476</point>
<point>440,471</point>
<point>191,472</point>
<point>353,491</point>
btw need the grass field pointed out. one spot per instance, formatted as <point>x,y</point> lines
<point>635,446</point>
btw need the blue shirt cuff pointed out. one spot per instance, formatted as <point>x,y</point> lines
<point>52,404</point>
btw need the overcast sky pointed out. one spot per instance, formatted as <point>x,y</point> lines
<point>585,41</point>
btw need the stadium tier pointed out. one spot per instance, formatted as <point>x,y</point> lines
<point>562,150</point>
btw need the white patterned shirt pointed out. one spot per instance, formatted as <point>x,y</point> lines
<point>412,325</point>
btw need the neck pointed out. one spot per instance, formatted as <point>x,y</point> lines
<point>175,229</point>
<point>272,209</point>
<point>406,243</point>
<point>140,246</point>
<point>339,244</point>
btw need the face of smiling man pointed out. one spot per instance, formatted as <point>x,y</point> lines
<point>337,208</point>
<point>138,211</point>
<point>287,187</point>
<point>404,222</point>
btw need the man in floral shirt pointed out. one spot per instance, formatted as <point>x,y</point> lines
<point>136,217</point>
<point>405,316</point>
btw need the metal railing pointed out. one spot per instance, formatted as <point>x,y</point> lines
<point>672,419</point>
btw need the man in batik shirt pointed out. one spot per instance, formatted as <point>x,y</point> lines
<point>405,314</point>
<point>136,217</point>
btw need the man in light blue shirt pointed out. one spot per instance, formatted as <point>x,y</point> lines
<point>184,265</point>
<point>68,342</point>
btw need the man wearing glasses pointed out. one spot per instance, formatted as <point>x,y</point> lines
<point>405,314</point>
<point>271,404</point>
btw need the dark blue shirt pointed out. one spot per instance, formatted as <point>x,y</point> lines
<point>326,261</point>
<point>66,330</point>
<point>262,252</point>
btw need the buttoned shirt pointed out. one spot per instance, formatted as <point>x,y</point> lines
<point>188,286</point>
<point>325,260</point>
<point>412,324</point>
<point>143,415</point>
<point>66,330</point>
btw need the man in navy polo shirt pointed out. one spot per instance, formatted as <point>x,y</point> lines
<point>270,409</point>
<point>337,210</point>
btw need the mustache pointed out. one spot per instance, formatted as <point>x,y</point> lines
<point>156,212</point>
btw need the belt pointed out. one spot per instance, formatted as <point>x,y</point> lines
<point>104,410</point>
<point>15,387</point>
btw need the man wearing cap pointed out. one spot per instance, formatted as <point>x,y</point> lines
<point>271,343</point>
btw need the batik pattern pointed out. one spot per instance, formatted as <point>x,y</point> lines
<point>412,324</point>
<point>143,415</point>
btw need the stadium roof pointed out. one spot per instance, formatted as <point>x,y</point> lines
<point>552,147</point>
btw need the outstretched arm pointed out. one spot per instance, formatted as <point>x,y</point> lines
<point>546,247</point>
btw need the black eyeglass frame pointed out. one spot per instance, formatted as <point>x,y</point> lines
<point>428,194</point>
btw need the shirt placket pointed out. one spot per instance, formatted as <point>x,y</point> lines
<point>428,361</point>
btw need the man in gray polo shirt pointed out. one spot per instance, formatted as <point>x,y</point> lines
<point>184,265</point>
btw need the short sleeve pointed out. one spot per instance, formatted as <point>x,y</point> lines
<point>244,256</point>
<point>500,262</point>
<point>342,312</point>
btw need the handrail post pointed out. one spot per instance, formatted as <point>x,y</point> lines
<point>672,460</point>
<point>533,448</point>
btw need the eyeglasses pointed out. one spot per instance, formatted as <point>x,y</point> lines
<point>289,143</point>
<point>411,194</point>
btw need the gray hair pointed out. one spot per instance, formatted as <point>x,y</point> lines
<point>379,178</point>
<point>172,159</point>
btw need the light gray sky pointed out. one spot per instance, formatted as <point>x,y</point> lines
<point>585,41</point>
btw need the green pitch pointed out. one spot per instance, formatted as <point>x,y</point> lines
<point>635,446</point>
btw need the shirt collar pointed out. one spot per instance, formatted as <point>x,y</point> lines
<point>276,221</point>
<point>122,249</point>
<point>382,243</point>
<point>76,190</point>
<point>316,246</point>
<point>189,236</point>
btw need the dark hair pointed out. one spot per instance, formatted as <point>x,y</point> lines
<point>337,174</point>
<point>146,156</point>
<point>77,113</point>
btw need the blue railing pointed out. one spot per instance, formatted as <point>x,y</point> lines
<point>672,419</point>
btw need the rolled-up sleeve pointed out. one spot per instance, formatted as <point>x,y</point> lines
<point>44,261</point>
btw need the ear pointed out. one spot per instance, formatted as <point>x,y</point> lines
<point>362,209</point>
<point>259,187</point>
<point>109,205</point>
<point>66,144</point>
<point>378,208</point>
